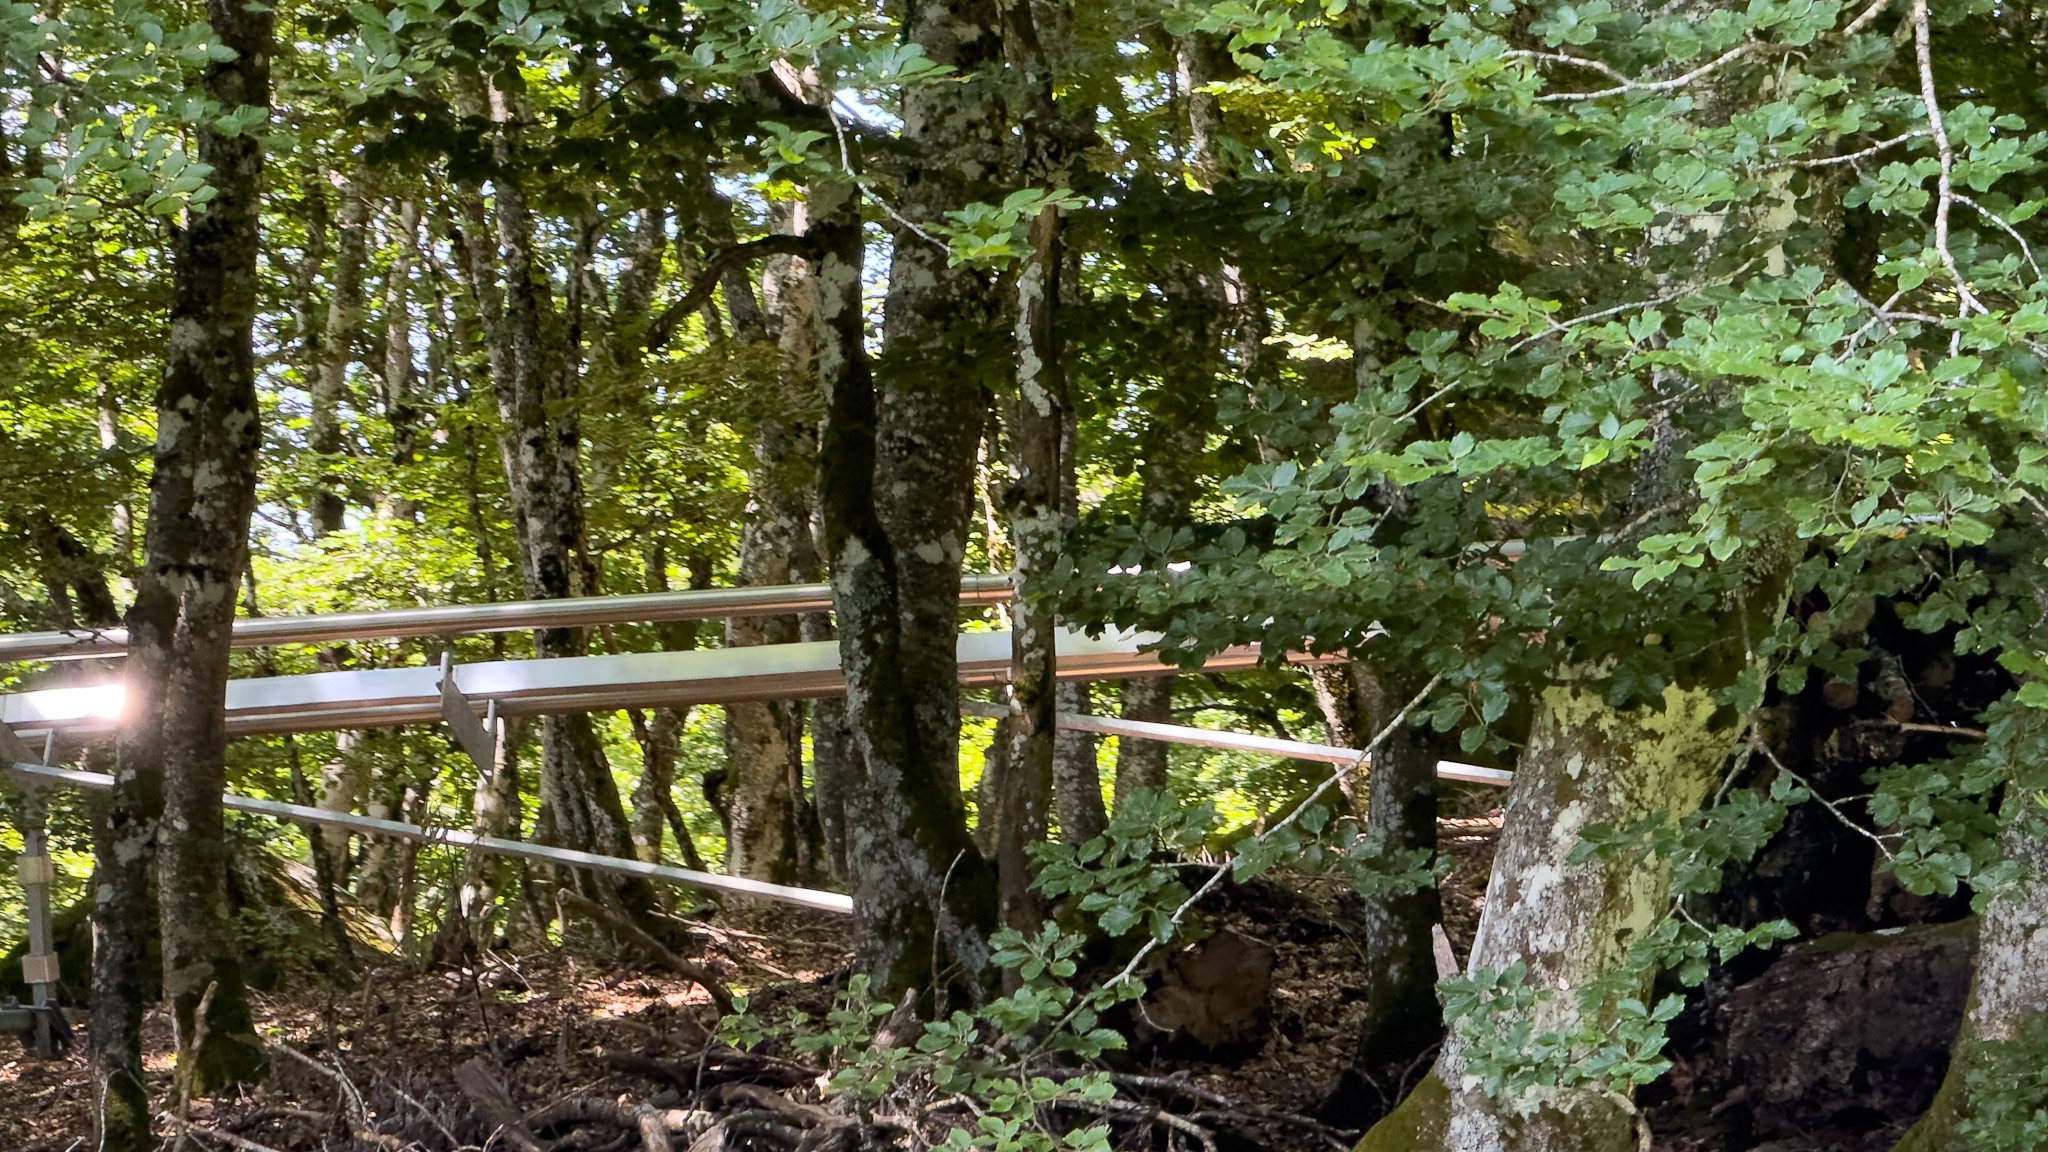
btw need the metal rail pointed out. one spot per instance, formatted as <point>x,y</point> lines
<point>466,619</point>
<point>807,897</point>
<point>332,701</point>
<point>1237,741</point>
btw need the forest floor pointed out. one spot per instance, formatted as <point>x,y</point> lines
<point>574,1044</point>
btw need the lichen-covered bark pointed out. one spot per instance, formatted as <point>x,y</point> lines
<point>1570,923</point>
<point>1036,419</point>
<point>202,493</point>
<point>2009,991</point>
<point>533,376</point>
<point>895,467</point>
<point>1141,764</point>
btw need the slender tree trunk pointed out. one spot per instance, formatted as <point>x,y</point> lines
<point>660,733</point>
<point>202,494</point>
<point>1570,922</point>
<point>329,379</point>
<point>1037,417</point>
<point>535,384</point>
<point>1141,764</point>
<point>2007,1019</point>
<point>342,778</point>
<point>769,837</point>
<point>400,411</point>
<point>1076,769</point>
<point>1403,1022</point>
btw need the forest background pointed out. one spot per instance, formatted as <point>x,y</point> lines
<point>1616,389</point>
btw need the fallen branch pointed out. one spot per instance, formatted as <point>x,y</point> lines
<point>1153,1114</point>
<point>495,1105</point>
<point>187,1128</point>
<point>351,1098</point>
<point>640,937</point>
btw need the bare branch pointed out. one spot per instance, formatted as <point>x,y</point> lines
<point>1864,18</point>
<point>1945,195</point>
<point>2008,229</point>
<point>1863,154</point>
<point>1746,48</point>
<point>778,244</point>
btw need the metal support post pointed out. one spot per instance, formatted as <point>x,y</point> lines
<point>39,966</point>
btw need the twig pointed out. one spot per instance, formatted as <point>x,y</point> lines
<point>1746,48</point>
<point>351,1097</point>
<point>1977,735</point>
<point>1152,1113</point>
<point>860,182</point>
<point>1864,154</point>
<point>1838,814</point>
<point>1557,328</point>
<point>453,1142</point>
<point>1923,50</point>
<point>2008,229</point>
<point>687,969</point>
<point>1223,869</point>
<point>187,1128</point>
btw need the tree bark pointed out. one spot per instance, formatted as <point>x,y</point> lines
<point>770,837</point>
<point>1076,779</point>
<point>2008,992</point>
<point>1403,1021</point>
<point>1141,764</point>
<point>329,379</point>
<point>1571,923</point>
<point>534,381</point>
<point>893,480</point>
<point>202,494</point>
<point>399,409</point>
<point>1036,419</point>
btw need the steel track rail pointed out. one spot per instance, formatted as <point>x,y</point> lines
<point>468,619</point>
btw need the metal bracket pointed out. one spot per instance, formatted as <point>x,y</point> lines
<point>479,739</point>
<point>45,1027</point>
<point>14,750</point>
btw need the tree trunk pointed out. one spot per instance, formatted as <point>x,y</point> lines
<point>894,478</point>
<point>534,380</point>
<point>660,731</point>
<point>1403,1021</point>
<point>1036,420</point>
<point>399,409</point>
<point>329,379</point>
<point>202,494</point>
<point>1570,923</point>
<point>770,833</point>
<point>1141,764</point>
<point>2003,1028</point>
<point>1076,779</point>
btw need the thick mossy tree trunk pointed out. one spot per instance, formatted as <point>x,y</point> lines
<point>1403,1020</point>
<point>2006,1025</point>
<point>894,474</point>
<point>1570,923</point>
<point>172,751</point>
